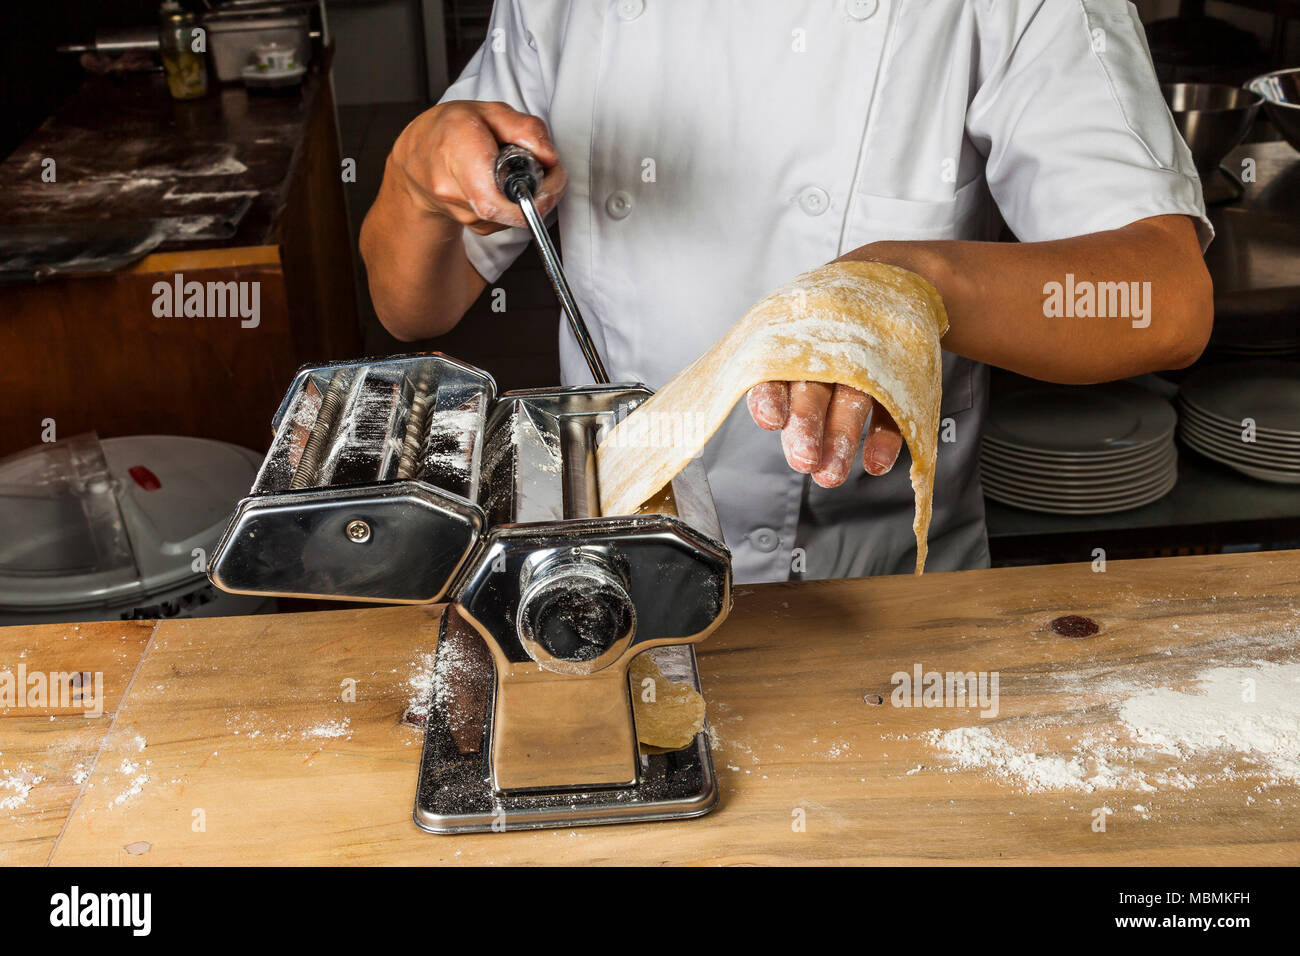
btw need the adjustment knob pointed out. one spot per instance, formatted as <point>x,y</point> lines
<point>575,615</point>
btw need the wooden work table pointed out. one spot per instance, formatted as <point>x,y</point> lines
<point>252,757</point>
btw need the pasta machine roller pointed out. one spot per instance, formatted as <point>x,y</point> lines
<point>409,479</point>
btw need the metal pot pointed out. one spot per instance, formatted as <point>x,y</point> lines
<point>236,29</point>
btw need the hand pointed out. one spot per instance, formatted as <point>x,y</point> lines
<point>820,427</point>
<point>445,159</point>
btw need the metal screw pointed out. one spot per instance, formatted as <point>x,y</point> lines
<point>358,531</point>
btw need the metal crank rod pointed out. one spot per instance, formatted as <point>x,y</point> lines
<point>518,176</point>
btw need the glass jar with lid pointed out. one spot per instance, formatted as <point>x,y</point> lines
<point>183,46</point>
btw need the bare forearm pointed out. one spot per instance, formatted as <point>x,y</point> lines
<point>421,281</point>
<point>439,180</point>
<point>1025,306</point>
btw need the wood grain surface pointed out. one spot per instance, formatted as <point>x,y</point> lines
<point>253,756</point>
<point>50,747</point>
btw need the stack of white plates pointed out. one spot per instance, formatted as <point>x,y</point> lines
<point>1079,449</point>
<point>1217,406</point>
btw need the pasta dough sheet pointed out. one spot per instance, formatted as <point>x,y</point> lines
<point>674,715</point>
<point>868,325</point>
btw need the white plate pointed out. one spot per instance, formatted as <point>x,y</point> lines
<point>1026,504</point>
<point>1231,435</point>
<point>1190,412</point>
<point>1267,474</point>
<point>1070,467</point>
<point>1237,450</point>
<point>1266,390</point>
<point>1099,496</point>
<point>1254,471</point>
<point>1234,450</point>
<point>1155,467</point>
<point>1088,501</point>
<point>1085,421</point>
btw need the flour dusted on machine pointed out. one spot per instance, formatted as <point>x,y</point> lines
<point>460,664</point>
<point>450,444</point>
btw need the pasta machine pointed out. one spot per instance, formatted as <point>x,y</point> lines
<point>410,479</point>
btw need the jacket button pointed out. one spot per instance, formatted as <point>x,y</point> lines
<point>764,539</point>
<point>863,9</point>
<point>630,9</point>
<point>619,204</point>
<point>814,200</point>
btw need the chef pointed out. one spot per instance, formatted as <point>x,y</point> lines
<point>700,154</point>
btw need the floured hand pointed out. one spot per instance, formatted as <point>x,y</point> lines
<point>821,425</point>
<point>865,325</point>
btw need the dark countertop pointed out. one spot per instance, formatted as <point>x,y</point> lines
<point>215,171</point>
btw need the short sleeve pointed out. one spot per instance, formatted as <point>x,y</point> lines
<point>505,69</point>
<point>1073,123</point>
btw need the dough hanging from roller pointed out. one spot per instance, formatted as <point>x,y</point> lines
<point>668,714</point>
<point>868,325</point>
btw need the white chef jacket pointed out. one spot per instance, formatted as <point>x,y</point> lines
<point>717,148</point>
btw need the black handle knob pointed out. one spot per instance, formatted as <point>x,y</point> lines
<point>515,169</point>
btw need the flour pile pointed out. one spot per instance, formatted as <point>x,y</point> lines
<point>1233,723</point>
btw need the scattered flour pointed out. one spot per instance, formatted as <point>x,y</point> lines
<point>15,785</point>
<point>329,728</point>
<point>135,781</point>
<point>135,788</point>
<point>421,686</point>
<point>1248,717</point>
<point>255,724</point>
<point>981,748</point>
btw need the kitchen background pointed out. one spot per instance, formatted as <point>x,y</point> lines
<point>1179,482</point>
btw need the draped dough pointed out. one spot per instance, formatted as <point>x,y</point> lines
<point>868,325</point>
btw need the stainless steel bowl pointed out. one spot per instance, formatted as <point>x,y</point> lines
<point>1213,118</point>
<point>1281,93</point>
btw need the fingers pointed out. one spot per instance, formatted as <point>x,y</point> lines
<point>769,404</point>
<point>552,188</point>
<point>801,439</point>
<point>471,160</point>
<point>880,450</point>
<point>845,417</point>
<point>508,125</point>
<point>820,427</point>
<point>488,211</point>
<point>448,155</point>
